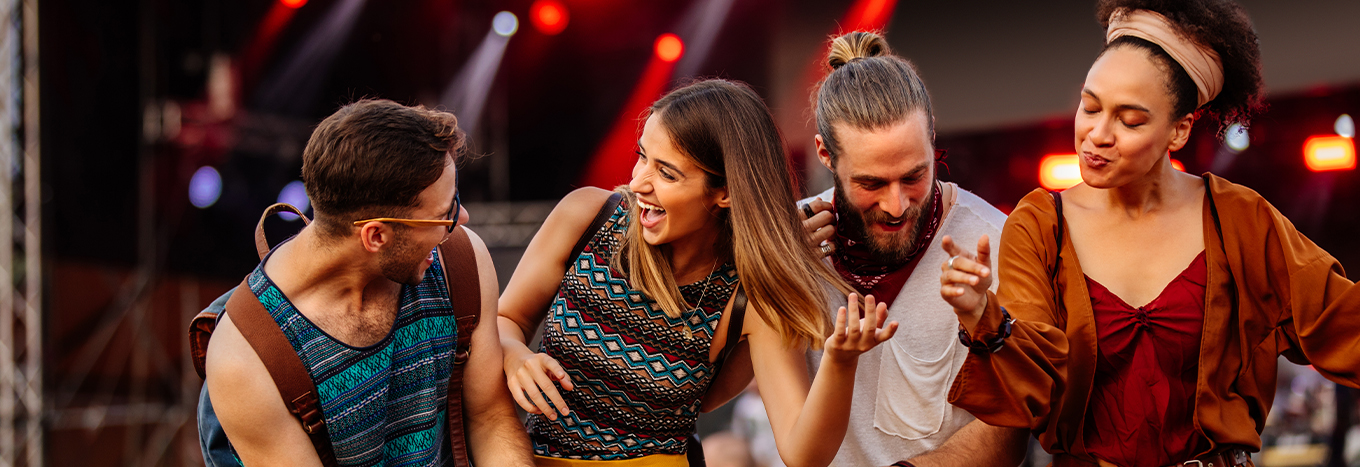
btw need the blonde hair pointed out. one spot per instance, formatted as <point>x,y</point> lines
<point>868,88</point>
<point>725,128</point>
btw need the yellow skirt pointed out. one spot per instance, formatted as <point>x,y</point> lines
<point>654,460</point>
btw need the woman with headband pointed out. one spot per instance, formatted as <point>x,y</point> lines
<point>1140,314</point>
<point>643,311</point>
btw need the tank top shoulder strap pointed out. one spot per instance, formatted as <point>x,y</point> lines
<point>612,210</point>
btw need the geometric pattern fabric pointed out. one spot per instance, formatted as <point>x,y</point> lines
<point>639,375</point>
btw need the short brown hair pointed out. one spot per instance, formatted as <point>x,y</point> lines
<point>868,88</point>
<point>373,158</point>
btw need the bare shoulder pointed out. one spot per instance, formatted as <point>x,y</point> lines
<point>545,260</point>
<point>578,208</point>
<point>480,251</point>
<point>486,274</point>
<point>567,222</point>
<point>1079,196</point>
<point>248,404</point>
<point>232,366</point>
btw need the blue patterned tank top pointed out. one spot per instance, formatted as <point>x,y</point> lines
<point>384,404</point>
<point>639,374</point>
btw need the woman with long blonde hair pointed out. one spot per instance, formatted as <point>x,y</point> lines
<point>628,354</point>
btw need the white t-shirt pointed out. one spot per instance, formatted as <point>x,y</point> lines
<point>901,407</point>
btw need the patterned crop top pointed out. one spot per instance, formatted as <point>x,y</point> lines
<point>639,375</point>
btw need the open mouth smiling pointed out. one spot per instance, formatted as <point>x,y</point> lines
<point>651,214</point>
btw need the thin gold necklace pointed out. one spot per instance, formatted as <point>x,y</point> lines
<point>708,281</point>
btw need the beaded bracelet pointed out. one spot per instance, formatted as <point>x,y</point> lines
<point>993,345</point>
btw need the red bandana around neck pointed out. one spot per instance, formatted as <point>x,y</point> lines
<point>870,274</point>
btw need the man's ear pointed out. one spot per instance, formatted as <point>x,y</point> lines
<point>1180,134</point>
<point>932,130</point>
<point>823,154</point>
<point>374,235</point>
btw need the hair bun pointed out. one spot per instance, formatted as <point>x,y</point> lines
<point>855,45</point>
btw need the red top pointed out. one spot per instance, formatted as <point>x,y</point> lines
<point>1143,399</point>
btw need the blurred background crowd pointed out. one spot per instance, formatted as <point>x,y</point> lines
<point>142,138</point>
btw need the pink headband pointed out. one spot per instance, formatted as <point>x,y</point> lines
<point>1201,62</point>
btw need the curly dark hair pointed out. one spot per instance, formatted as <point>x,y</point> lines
<point>1223,26</point>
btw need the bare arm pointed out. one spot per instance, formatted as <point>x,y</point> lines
<point>735,375</point>
<point>978,444</point>
<point>737,372</point>
<point>494,433</point>
<point>249,407</point>
<point>810,419</point>
<point>530,376</point>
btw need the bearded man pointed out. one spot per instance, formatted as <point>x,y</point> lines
<point>887,213</point>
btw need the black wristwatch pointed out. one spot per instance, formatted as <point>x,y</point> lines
<point>993,345</point>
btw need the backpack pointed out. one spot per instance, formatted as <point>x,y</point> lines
<point>291,376</point>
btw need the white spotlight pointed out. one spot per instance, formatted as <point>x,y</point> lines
<point>1237,138</point>
<point>205,187</point>
<point>505,23</point>
<point>1345,126</point>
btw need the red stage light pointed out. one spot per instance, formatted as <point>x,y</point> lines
<point>669,48</point>
<point>293,3</point>
<point>1331,152</point>
<point>1177,165</point>
<point>549,16</point>
<point>867,15</point>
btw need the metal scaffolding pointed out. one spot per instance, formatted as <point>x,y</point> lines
<point>120,381</point>
<point>21,285</point>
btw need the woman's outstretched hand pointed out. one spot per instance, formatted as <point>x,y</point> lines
<point>855,334</point>
<point>964,279</point>
<point>530,378</point>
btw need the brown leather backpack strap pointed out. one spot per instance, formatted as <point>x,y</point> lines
<point>285,367</point>
<point>460,274</point>
<point>200,332</point>
<point>261,244</point>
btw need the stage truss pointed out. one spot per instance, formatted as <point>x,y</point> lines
<point>21,377</point>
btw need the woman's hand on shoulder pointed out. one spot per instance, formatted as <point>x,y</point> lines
<point>531,377</point>
<point>965,278</point>
<point>856,333</point>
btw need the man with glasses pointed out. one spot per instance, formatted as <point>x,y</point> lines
<point>360,295</point>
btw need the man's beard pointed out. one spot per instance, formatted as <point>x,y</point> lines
<point>398,263</point>
<point>893,247</point>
